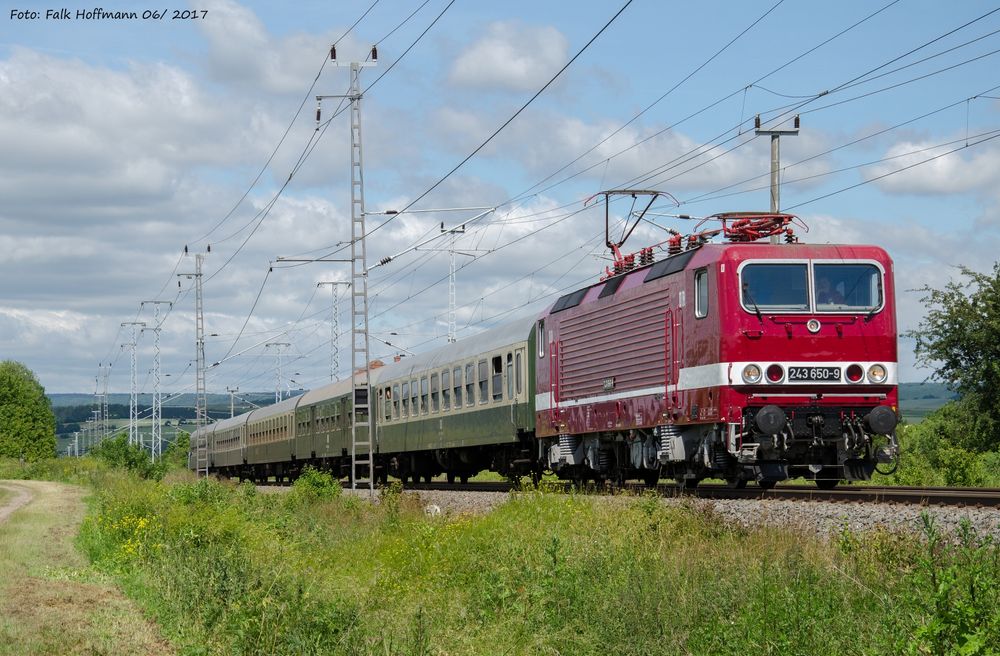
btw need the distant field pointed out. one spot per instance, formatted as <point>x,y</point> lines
<point>917,400</point>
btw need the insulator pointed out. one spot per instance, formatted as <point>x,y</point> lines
<point>333,52</point>
<point>375,58</point>
<point>185,249</point>
<point>385,260</point>
<point>796,121</point>
<point>756,122</point>
<point>209,248</point>
<point>317,113</point>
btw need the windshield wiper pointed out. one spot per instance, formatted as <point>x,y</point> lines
<point>749,297</point>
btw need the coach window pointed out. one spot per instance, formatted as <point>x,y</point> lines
<point>484,381</point>
<point>446,390</point>
<point>406,399</point>
<point>395,401</point>
<point>540,338</point>
<point>414,395</point>
<point>497,363</point>
<point>424,406</point>
<point>701,293</point>
<point>388,403</point>
<point>517,371</point>
<point>510,375</point>
<point>435,385</point>
<point>457,382</point>
<point>470,384</point>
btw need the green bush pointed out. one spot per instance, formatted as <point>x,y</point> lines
<point>117,452</point>
<point>315,485</point>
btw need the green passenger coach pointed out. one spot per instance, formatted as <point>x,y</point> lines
<point>457,410</point>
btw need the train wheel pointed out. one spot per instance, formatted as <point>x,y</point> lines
<point>826,483</point>
<point>686,483</point>
<point>651,478</point>
<point>464,479</point>
<point>736,483</point>
<point>451,478</point>
<point>766,484</point>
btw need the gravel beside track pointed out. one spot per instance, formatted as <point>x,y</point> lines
<point>825,518</point>
<point>822,518</point>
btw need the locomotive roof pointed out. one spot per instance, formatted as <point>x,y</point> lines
<point>486,341</point>
<point>709,252</point>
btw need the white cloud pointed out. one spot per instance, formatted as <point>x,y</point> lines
<point>511,56</point>
<point>955,173</point>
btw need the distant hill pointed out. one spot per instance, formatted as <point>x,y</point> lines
<point>917,400</point>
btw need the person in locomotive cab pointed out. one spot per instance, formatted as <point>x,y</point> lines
<point>826,293</point>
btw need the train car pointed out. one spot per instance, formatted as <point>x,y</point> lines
<point>323,427</point>
<point>459,409</point>
<point>743,361</point>
<point>456,410</point>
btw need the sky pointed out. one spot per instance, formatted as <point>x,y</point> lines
<point>123,141</point>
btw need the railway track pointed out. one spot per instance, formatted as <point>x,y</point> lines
<point>933,496</point>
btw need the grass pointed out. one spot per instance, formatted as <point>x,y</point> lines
<point>227,570</point>
<point>224,569</point>
<point>51,600</point>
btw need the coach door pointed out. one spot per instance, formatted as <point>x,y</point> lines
<point>516,388</point>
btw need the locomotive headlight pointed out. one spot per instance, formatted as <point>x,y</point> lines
<point>877,374</point>
<point>751,374</point>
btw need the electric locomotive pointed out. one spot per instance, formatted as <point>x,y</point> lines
<point>744,360</point>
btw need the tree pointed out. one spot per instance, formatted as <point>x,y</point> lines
<point>960,339</point>
<point>27,424</point>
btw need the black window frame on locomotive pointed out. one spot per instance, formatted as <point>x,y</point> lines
<point>701,295</point>
<point>757,305</point>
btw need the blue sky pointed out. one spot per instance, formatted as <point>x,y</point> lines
<point>125,140</point>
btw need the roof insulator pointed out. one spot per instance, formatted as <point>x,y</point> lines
<point>374,53</point>
<point>333,52</point>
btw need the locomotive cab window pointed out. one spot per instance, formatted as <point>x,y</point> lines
<point>701,293</point>
<point>853,287</point>
<point>775,287</point>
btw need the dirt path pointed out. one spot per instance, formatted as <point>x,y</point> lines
<point>22,495</point>
<point>51,601</point>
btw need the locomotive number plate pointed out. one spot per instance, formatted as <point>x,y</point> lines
<point>823,374</point>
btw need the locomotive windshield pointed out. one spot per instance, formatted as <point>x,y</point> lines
<point>776,287</point>
<point>847,287</point>
<point>836,287</point>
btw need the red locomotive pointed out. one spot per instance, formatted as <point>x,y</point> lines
<point>744,360</point>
